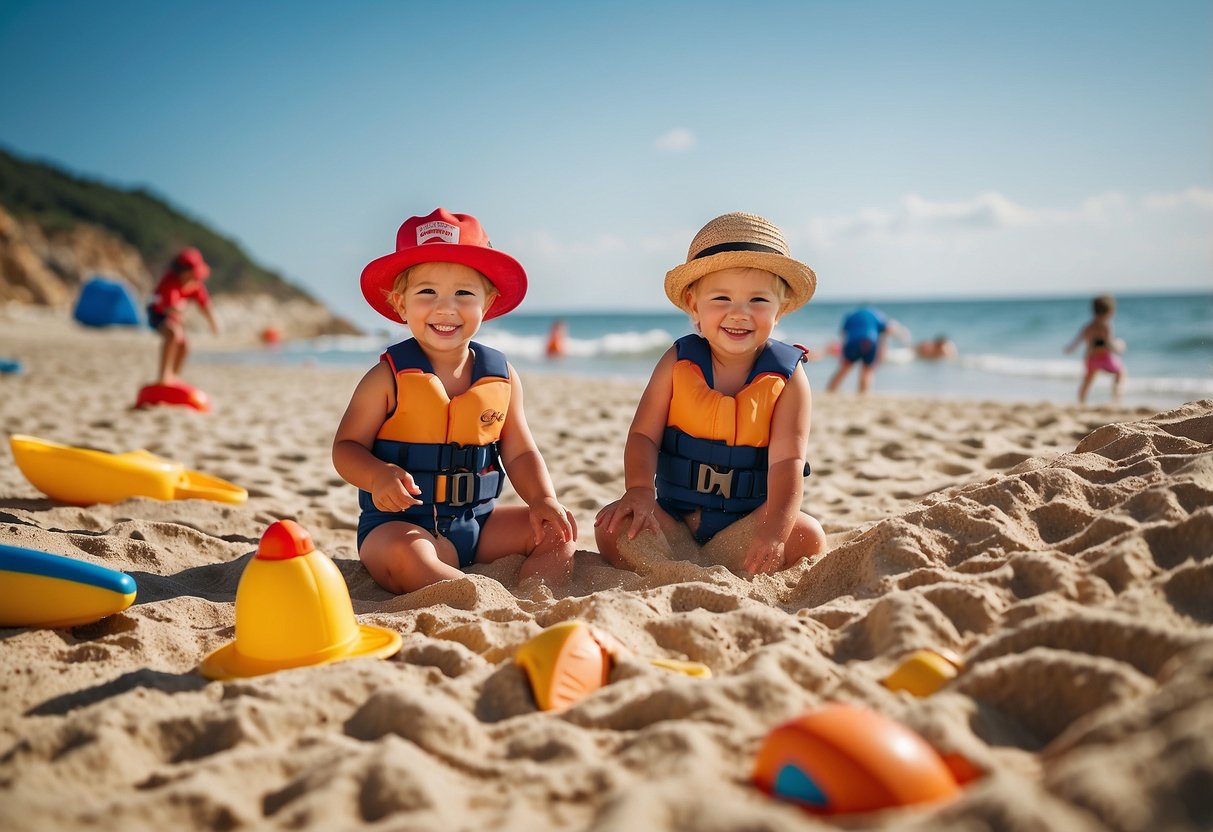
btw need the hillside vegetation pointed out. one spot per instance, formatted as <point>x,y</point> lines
<point>58,201</point>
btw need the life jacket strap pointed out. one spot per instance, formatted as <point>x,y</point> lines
<point>716,452</point>
<point>730,483</point>
<point>446,456</point>
<point>461,488</point>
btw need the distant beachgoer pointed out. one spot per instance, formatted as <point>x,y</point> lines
<point>720,434</point>
<point>181,283</point>
<point>556,339</point>
<point>435,426</point>
<point>938,348</point>
<point>864,332</point>
<point>1103,348</point>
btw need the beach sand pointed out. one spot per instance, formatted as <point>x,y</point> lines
<point>1065,553</point>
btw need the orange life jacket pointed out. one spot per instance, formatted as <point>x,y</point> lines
<point>713,454</point>
<point>449,445</point>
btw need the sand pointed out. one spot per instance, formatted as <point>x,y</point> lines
<point>1065,553</point>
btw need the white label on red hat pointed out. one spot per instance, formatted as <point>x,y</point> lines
<point>437,231</point>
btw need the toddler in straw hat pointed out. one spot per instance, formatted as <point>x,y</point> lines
<point>717,446</point>
<point>434,426</point>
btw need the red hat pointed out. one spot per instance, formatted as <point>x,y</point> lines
<point>191,258</point>
<point>447,238</point>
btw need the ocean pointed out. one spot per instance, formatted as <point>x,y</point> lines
<point>1008,349</point>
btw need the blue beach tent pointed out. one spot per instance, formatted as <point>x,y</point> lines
<point>106,303</point>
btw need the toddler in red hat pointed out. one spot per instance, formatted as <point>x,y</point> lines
<point>434,427</point>
<point>181,283</point>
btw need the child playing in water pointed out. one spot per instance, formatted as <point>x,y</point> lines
<point>720,433</point>
<point>181,283</point>
<point>431,430</point>
<point>1102,348</point>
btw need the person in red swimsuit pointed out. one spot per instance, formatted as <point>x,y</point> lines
<point>1103,348</point>
<point>181,283</point>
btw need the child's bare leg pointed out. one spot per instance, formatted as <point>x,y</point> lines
<point>172,351</point>
<point>633,554</point>
<point>1118,386</point>
<point>865,377</point>
<point>402,557</point>
<point>839,374</point>
<point>1086,385</point>
<point>508,532</point>
<point>182,349</point>
<point>807,540</point>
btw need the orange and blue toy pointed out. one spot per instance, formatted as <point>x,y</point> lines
<point>842,759</point>
<point>293,609</point>
<point>38,589</point>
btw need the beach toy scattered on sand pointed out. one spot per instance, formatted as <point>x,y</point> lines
<point>38,589</point>
<point>271,335</point>
<point>924,672</point>
<point>570,660</point>
<point>82,476</point>
<point>293,609</point>
<point>9,366</point>
<point>177,393</point>
<point>842,759</point>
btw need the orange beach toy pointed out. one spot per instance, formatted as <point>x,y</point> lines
<point>293,609</point>
<point>841,759</point>
<point>177,393</point>
<point>570,660</point>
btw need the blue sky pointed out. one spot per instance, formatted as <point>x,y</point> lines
<point>908,149</point>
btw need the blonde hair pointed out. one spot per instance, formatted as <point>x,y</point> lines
<point>395,295</point>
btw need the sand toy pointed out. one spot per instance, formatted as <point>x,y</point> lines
<point>842,759</point>
<point>570,660</point>
<point>293,609</point>
<point>924,672</point>
<point>177,393</point>
<point>38,589</point>
<point>9,366</point>
<point>82,476</point>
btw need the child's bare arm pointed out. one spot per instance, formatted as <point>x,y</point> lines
<point>640,454</point>
<point>391,487</point>
<point>209,314</point>
<point>527,471</point>
<point>785,475</point>
<point>1079,338</point>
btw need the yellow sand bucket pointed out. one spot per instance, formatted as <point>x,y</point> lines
<point>293,609</point>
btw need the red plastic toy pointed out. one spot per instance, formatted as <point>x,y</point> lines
<point>177,393</point>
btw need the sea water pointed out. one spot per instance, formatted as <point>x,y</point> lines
<point>1008,349</point>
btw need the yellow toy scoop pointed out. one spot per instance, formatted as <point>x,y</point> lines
<point>570,660</point>
<point>82,476</point>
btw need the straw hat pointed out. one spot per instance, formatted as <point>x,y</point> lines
<point>740,240</point>
<point>442,236</point>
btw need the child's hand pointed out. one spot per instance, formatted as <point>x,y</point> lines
<point>550,512</point>
<point>763,557</point>
<point>393,489</point>
<point>639,502</point>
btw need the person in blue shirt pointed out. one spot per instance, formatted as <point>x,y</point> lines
<point>864,331</point>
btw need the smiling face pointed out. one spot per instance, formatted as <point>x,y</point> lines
<point>736,309</point>
<point>442,303</point>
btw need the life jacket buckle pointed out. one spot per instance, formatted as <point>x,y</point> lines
<point>461,488</point>
<point>720,481</point>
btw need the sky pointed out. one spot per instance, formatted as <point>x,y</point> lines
<point>907,149</point>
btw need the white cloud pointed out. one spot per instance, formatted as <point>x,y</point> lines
<point>1198,198</point>
<point>678,140</point>
<point>918,216</point>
